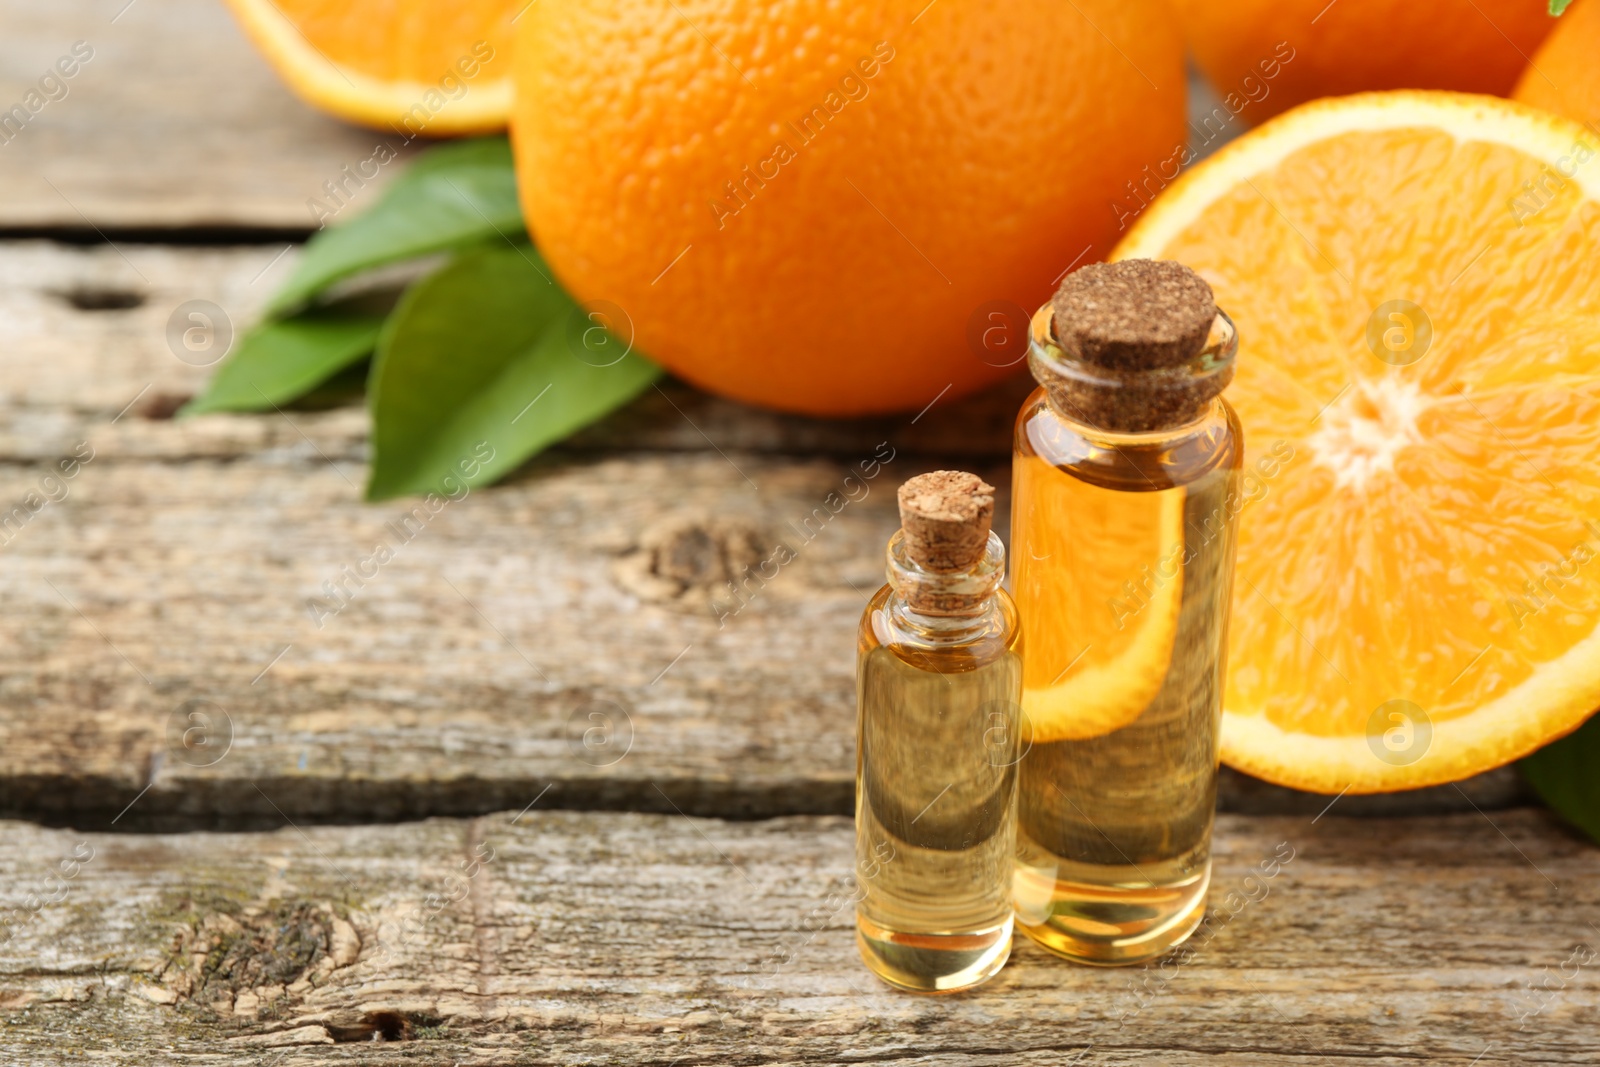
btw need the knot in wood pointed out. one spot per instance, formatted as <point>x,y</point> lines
<point>686,555</point>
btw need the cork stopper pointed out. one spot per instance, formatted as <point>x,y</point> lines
<point>946,517</point>
<point>1137,314</point>
<point>1140,346</point>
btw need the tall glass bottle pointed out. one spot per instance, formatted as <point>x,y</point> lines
<point>938,679</point>
<point>1125,503</point>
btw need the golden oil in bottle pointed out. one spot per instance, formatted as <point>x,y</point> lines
<point>1125,501</point>
<point>938,679</point>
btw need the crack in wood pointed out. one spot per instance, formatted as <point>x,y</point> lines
<point>478,858</point>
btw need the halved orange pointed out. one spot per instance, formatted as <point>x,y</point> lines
<point>1416,281</point>
<point>414,66</point>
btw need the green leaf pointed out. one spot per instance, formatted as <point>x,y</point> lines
<point>1558,6</point>
<point>483,364</point>
<point>279,361</point>
<point>1566,774</point>
<point>347,387</point>
<point>453,196</point>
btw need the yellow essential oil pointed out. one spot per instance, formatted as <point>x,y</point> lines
<point>1125,501</point>
<point>938,679</point>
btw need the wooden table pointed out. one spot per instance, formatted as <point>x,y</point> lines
<point>525,800</point>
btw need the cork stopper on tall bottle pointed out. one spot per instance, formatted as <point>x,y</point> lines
<point>1142,346</point>
<point>946,517</point>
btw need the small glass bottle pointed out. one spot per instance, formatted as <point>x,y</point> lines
<point>1125,505</point>
<point>938,676</point>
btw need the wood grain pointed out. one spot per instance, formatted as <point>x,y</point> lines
<point>569,938</point>
<point>464,674</point>
<point>175,122</point>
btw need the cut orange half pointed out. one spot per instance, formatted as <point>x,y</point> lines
<point>412,66</point>
<point>1416,281</point>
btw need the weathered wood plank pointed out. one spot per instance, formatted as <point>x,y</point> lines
<point>67,369</point>
<point>184,556</point>
<point>463,671</point>
<point>173,121</point>
<point>661,939</point>
<point>458,674</point>
<point>410,702</point>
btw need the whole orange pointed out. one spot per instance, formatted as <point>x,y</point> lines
<point>1564,76</point>
<point>837,208</point>
<point>1266,56</point>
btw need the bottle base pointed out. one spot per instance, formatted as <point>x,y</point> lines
<point>1110,925</point>
<point>937,962</point>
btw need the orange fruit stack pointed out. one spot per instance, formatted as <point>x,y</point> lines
<point>1418,590</point>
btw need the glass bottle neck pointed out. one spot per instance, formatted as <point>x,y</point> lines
<point>931,607</point>
<point>1131,406</point>
<point>1161,459</point>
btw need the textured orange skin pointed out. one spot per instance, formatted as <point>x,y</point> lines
<point>1474,46</point>
<point>983,160</point>
<point>1564,76</point>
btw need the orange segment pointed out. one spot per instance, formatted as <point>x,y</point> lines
<point>411,65</point>
<point>1098,647</point>
<point>1419,591</point>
